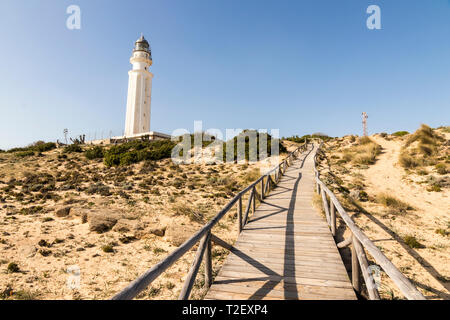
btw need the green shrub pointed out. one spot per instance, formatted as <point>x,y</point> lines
<point>412,242</point>
<point>71,148</point>
<point>441,168</point>
<point>392,202</point>
<point>400,133</point>
<point>442,232</point>
<point>108,248</point>
<point>302,139</point>
<point>253,149</point>
<point>94,153</point>
<point>42,146</point>
<point>39,146</point>
<point>136,151</point>
<point>100,189</point>
<point>26,295</point>
<point>434,188</point>
<point>12,267</point>
<point>23,154</point>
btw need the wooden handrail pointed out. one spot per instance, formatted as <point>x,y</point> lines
<point>204,234</point>
<point>360,242</point>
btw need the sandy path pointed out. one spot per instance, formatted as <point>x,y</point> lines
<point>387,176</point>
<point>428,266</point>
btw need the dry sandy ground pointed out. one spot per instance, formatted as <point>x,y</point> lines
<point>43,266</point>
<point>427,267</point>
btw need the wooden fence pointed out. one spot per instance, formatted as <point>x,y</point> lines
<point>204,235</point>
<point>359,241</point>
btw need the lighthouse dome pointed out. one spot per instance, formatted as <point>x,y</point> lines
<point>142,44</point>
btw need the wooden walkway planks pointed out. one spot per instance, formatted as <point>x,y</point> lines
<point>286,251</point>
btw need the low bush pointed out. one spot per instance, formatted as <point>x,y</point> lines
<point>412,242</point>
<point>71,148</point>
<point>364,140</point>
<point>302,139</point>
<point>94,153</point>
<point>441,168</point>
<point>23,154</point>
<point>12,267</point>
<point>392,202</point>
<point>136,151</point>
<point>434,188</point>
<point>108,248</point>
<point>400,133</point>
<point>42,146</point>
<point>252,148</point>
<point>407,161</point>
<point>365,152</point>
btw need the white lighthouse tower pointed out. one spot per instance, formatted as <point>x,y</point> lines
<point>137,121</point>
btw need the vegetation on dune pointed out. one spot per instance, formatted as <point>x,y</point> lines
<point>441,168</point>
<point>253,148</point>
<point>400,133</point>
<point>94,153</point>
<point>251,151</point>
<point>137,151</point>
<point>445,129</point>
<point>302,139</point>
<point>72,148</point>
<point>423,148</point>
<point>34,148</point>
<point>412,242</point>
<point>12,267</point>
<point>392,202</point>
<point>425,136</point>
<point>364,152</point>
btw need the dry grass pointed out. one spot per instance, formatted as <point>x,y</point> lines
<point>407,161</point>
<point>363,153</point>
<point>151,196</point>
<point>421,148</point>
<point>416,241</point>
<point>392,202</point>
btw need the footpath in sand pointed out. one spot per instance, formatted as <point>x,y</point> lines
<point>428,267</point>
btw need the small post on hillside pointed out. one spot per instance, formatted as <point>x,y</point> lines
<point>364,121</point>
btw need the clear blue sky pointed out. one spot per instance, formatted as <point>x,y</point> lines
<point>298,66</point>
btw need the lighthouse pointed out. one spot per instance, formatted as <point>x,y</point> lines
<point>137,120</point>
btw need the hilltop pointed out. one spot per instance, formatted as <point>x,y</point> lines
<point>397,188</point>
<point>113,211</point>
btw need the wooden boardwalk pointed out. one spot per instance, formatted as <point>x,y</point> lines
<point>286,251</point>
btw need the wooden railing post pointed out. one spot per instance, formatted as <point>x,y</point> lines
<point>366,273</point>
<point>204,235</point>
<point>190,279</point>
<point>355,266</point>
<point>208,262</point>
<point>325,206</point>
<point>254,200</point>
<point>262,189</point>
<point>333,218</point>
<point>239,212</point>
